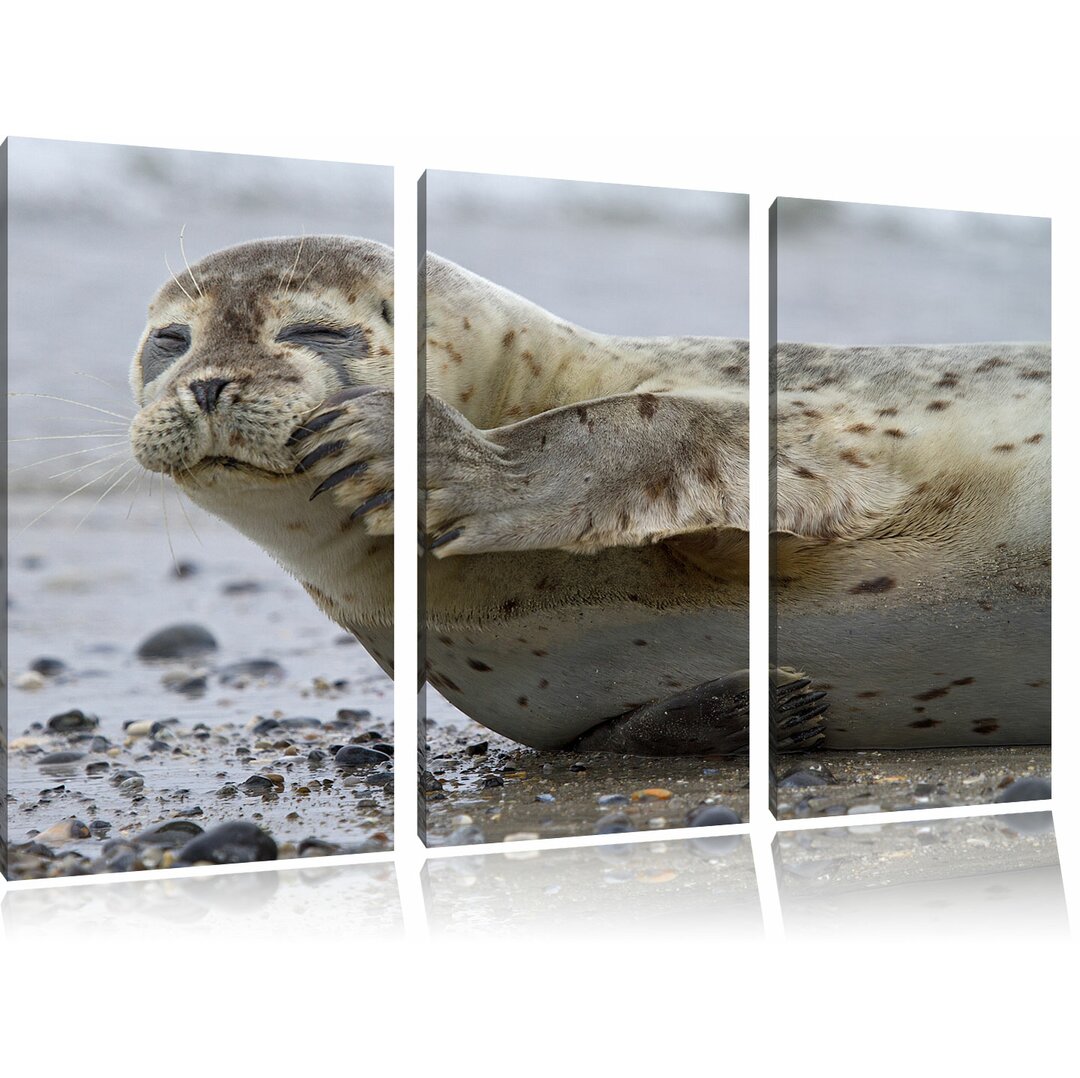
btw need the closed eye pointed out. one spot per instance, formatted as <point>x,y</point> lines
<point>315,335</point>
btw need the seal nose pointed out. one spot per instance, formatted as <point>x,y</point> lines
<point>207,391</point>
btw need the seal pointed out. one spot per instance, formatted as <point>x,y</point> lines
<point>586,513</point>
<point>264,380</point>
<point>586,517</point>
<point>911,547</point>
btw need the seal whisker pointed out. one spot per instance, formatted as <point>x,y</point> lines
<point>183,255</point>
<point>83,467</point>
<point>176,279</point>
<point>71,494</point>
<point>115,483</point>
<point>292,270</point>
<point>78,404</point>
<point>318,263</point>
<point>64,456</point>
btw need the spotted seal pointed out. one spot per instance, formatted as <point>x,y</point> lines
<point>911,548</point>
<point>586,518</point>
<point>264,380</point>
<point>586,513</point>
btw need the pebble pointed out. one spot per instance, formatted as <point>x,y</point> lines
<point>859,810</point>
<point>170,834</point>
<point>1025,789</point>
<point>184,569</point>
<point>803,777</point>
<point>188,686</point>
<point>348,715</point>
<point>48,667</point>
<point>490,782</point>
<point>69,830</point>
<point>358,756</point>
<point>258,784</point>
<point>613,799</point>
<point>30,680</point>
<point>241,587</point>
<point>66,757</point>
<point>72,720</point>
<point>229,844</point>
<point>184,641</point>
<point>653,793</point>
<point>615,823</point>
<point>243,673</point>
<point>477,749</point>
<point>712,816</point>
<point>545,798</point>
<point>469,835</point>
<point>132,785</point>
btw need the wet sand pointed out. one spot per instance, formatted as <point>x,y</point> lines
<point>894,780</point>
<point>505,792</point>
<point>210,743</point>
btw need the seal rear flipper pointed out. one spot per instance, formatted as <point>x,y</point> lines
<point>710,719</point>
<point>796,711</point>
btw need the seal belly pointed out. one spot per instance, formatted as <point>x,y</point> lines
<point>541,647</point>
<point>953,658</point>
<point>544,679</point>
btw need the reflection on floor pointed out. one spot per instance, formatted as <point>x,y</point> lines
<point>309,901</point>
<point>956,877</point>
<point>684,886</point>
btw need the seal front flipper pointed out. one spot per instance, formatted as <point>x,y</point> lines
<point>710,719</point>
<point>347,448</point>
<point>796,711</point>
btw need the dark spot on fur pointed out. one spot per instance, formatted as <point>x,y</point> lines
<point>1035,376</point>
<point>964,681</point>
<point>938,406</point>
<point>948,381</point>
<point>849,456</point>
<point>476,664</point>
<point>868,695</point>
<point>534,367</point>
<point>647,405</point>
<point>543,683</point>
<point>805,473</point>
<point>466,323</point>
<point>986,604</point>
<point>642,643</point>
<point>448,641</point>
<point>991,364</point>
<point>509,606</point>
<point>539,652</point>
<point>875,586</point>
<point>985,726</point>
<point>1005,447</point>
<point>508,338</point>
<point>932,694</point>
<point>895,432</point>
<point>918,710</point>
<point>1036,684</point>
<point>523,701</point>
<point>466,393</point>
<point>1034,439</point>
<point>582,414</point>
<point>859,428</point>
<point>888,412</point>
<point>924,724</point>
<point>810,413</point>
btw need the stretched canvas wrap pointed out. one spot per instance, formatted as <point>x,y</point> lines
<point>175,697</point>
<point>584,515</point>
<point>910,590</point>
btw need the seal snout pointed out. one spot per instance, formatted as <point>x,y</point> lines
<point>207,392</point>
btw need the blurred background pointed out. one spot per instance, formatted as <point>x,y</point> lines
<point>849,273</point>
<point>647,261</point>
